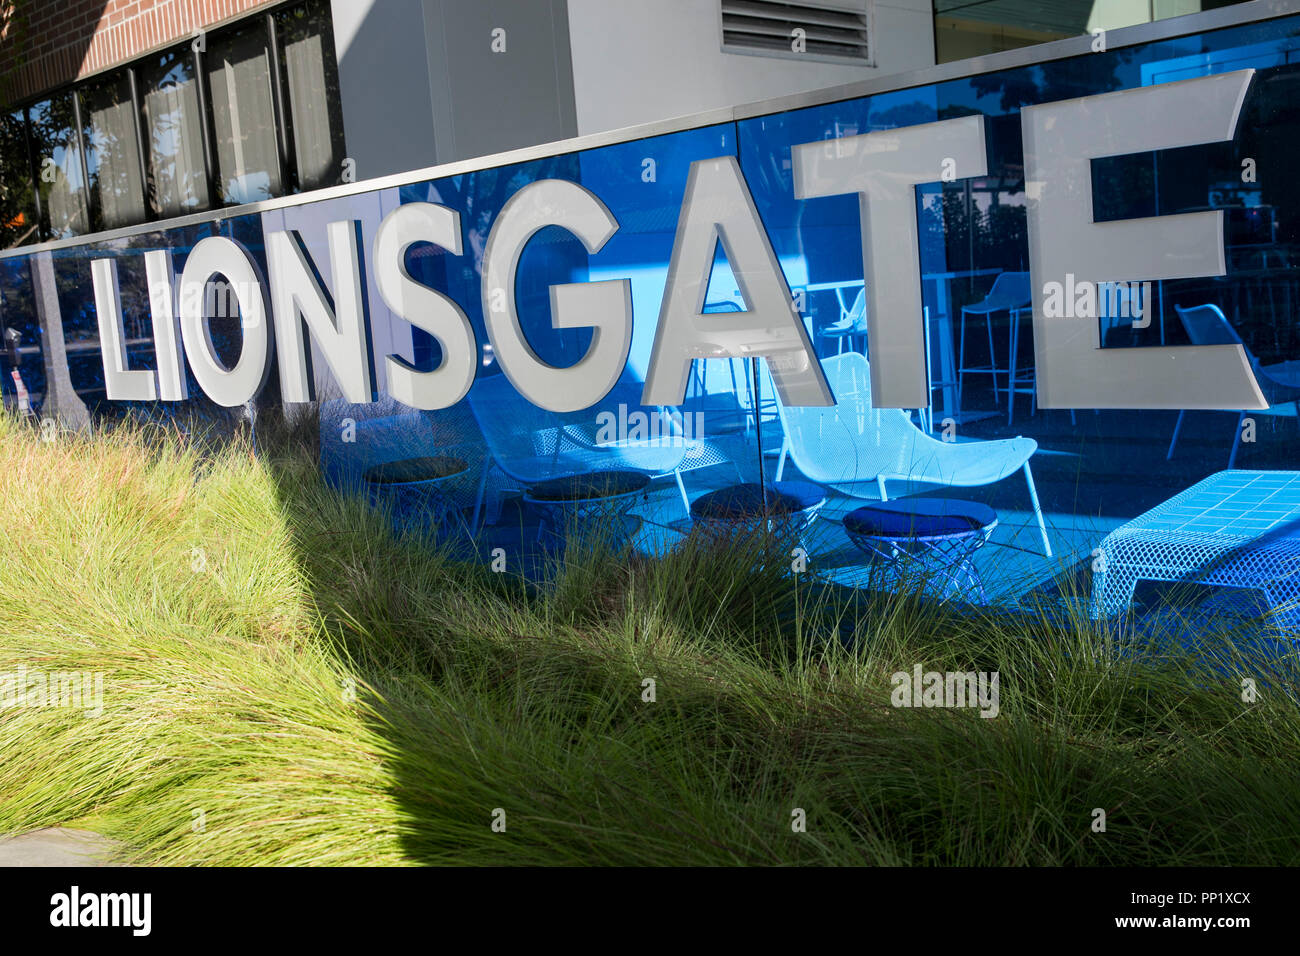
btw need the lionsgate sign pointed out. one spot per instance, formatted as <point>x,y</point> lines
<point>290,305</point>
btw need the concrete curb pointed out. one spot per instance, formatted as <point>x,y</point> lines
<point>57,846</point>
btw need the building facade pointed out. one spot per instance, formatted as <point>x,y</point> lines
<point>125,111</point>
<point>1056,279</point>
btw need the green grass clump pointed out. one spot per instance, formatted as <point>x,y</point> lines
<point>287,682</point>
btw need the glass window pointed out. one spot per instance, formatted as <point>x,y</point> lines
<point>238,66</point>
<point>965,28</point>
<point>112,153</point>
<point>178,181</point>
<point>60,177</point>
<point>311,83</point>
<point>18,220</point>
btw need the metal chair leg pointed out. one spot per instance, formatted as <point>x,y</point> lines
<point>1236,441</point>
<point>1011,369</point>
<point>1178,426</point>
<point>961,364</point>
<point>681,486</point>
<point>480,499</point>
<point>1038,510</point>
<point>993,362</point>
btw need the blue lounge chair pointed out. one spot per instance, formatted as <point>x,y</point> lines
<point>1280,383</point>
<point>856,449</point>
<point>530,444</point>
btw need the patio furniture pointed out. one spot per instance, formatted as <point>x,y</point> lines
<point>926,415</point>
<point>852,322</point>
<point>1011,294</point>
<point>930,542</point>
<point>856,449</point>
<point>531,445</point>
<point>1020,380</point>
<point>596,502</point>
<point>1280,383</point>
<point>1119,307</point>
<point>724,411</point>
<point>423,492</point>
<point>1236,529</point>
<point>787,506</point>
<point>356,438</point>
<point>944,342</point>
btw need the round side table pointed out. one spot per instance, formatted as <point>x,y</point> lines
<point>930,541</point>
<point>791,506</point>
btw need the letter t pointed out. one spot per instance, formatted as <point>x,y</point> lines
<point>884,168</point>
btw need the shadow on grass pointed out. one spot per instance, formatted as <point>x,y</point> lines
<point>327,692</point>
<point>602,707</point>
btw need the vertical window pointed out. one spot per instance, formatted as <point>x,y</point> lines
<point>60,177</point>
<point>112,153</point>
<point>178,180</point>
<point>238,67</point>
<point>18,220</point>
<point>310,77</point>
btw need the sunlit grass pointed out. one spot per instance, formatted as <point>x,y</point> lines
<point>285,682</point>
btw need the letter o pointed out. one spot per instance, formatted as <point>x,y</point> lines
<point>229,387</point>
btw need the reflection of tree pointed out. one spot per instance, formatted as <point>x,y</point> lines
<point>52,128</point>
<point>17,193</point>
<point>479,196</point>
<point>997,236</point>
<point>1057,80</point>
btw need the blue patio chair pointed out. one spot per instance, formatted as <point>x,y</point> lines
<point>1011,293</point>
<point>724,411</point>
<point>531,445</point>
<point>855,448</point>
<point>1280,383</point>
<point>852,322</point>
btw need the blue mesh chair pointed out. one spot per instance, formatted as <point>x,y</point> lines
<point>1237,529</point>
<point>856,449</point>
<point>1280,383</point>
<point>531,445</point>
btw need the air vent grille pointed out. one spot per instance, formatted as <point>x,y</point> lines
<point>768,26</point>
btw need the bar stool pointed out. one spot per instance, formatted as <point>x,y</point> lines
<point>1020,381</point>
<point>1010,294</point>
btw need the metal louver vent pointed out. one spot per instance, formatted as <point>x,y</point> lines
<point>829,29</point>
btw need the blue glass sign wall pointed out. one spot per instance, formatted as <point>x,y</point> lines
<point>728,310</point>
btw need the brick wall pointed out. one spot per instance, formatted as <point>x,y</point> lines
<point>47,43</point>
